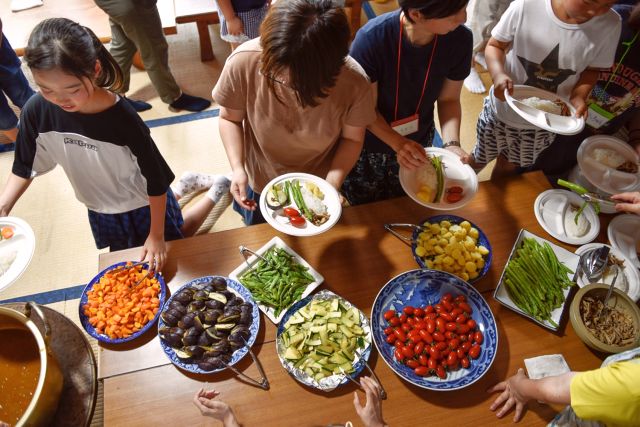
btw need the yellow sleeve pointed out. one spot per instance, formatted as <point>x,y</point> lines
<point>610,394</point>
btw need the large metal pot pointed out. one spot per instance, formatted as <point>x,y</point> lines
<point>43,404</point>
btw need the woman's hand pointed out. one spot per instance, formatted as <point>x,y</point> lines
<point>239,184</point>
<point>411,155</point>
<point>154,252</point>
<point>234,26</point>
<point>371,412</point>
<point>501,82</point>
<point>204,401</point>
<point>628,202</point>
<point>511,395</point>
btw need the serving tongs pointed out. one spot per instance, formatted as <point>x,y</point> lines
<point>244,249</point>
<point>383,393</point>
<point>150,272</point>
<point>597,198</point>
<point>391,228</point>
<point>263,382</point>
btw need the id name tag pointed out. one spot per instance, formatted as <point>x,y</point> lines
<point>406,126</point>
<point>598,116</point>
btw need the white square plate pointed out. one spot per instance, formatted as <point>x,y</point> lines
<point>277,242</point>
<point>569,259</point>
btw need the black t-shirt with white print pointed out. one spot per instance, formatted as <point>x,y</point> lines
<point>109,157</point>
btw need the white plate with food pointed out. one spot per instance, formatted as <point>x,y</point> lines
<point>610,164</point>
<point>283,268</point>
<point>525,300</point>
<point>628,279</point>
<point>300,204</point>
<point>558,212</point>
<point>624,235</point>
<point>443,183</point>
<point>544,109</point>
<point>17,243</point>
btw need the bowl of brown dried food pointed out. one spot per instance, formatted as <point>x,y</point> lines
<point>613,329</point>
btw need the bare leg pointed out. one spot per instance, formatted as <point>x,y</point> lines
<point>12,134</point>
<point>476,166</point>
<point>503,168</point>
<point>234,46</point>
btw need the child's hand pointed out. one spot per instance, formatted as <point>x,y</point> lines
<point>511,395</point>
<point>154,252</point>
<point>204,401</point>
<point>235,27</point>
<point>500,83</point>
<point>580,106</point>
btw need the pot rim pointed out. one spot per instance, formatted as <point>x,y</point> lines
<point>42,351</point>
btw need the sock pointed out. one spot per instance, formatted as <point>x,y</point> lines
<point>473,82</point>
<point>139,105</point>
<point>220,187</point>
<point>192,182</point>
<point>189,103</point>
<point>480,59</point>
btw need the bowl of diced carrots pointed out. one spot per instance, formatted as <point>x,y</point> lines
<point>122,302</point>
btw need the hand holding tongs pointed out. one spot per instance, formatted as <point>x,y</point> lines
<point>406,239</point>
<point>383,393</point>
<point>597,198</point>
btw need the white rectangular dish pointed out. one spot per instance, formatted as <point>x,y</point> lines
<point>252,260</point>
<point>569,259</point>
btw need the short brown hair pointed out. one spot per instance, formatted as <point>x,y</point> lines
<point>307,41</point>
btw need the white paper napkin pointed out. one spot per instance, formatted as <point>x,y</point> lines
<point>546,366</point>
<point>18,5</point>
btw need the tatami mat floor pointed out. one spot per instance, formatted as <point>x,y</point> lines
<point>65,253</point>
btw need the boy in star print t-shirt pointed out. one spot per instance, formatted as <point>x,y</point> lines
<point>555,45</point>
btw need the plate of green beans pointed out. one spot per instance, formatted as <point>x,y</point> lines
<point>537,280</point>
<point>277,279</point>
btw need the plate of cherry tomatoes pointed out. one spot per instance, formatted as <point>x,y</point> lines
<point>434,330</point>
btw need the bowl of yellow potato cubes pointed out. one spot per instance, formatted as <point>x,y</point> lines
<point>452,244</point>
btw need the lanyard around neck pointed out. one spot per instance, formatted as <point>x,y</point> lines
<point>628,46</point>
<point>426,77</point>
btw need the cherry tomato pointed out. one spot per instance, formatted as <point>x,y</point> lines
<point>463,329</point>
<point>7,232</point>
<point>440,324</point>
<point>413,364</point>
<point>403,317</point>
<point>454,343</point>
<point>423,360</point>
<point>407,352</point>
<point>411,321</point>
<point>291,212</point>
<point>398,343</point>
<point>419,348</point>
<point>432,316</point>
<point>446,297</point>
<point>389,314</point>
<point>456,312</point>
<point>388,330</point>
<point>466,346</point>
<point>455,189</point>
<point>447,305</point>
<point>440,372</point>
<point>451,326</point>
<point>474,352</point>
<point>394,321</point>
<point>452,360</point>
<point>429,309</point>
<point>472,324</point>
<point>431,326</point>
<point>478,337</point>
<point>445,352</point>
<point>398,355</point>
<point>446,316</point>
<point>426,336</point>
<point>418,312</point>
<point>464,362</point>
<point>406,327</point>
<point>421,371</point>
<point>450,335</point>
<point>466,307</point>
<point>400,334</point>
<point>408,310</point>
<point>461,318</point>
<point>297,221</point>
<point>434,353</point>
<point>460,298</point>
<point>420,325</point>
<point>441,346</point>
<point>391,338</point>
<point>460,353</point>
<point>432,363</point>
<point>454,197</point>
<point>438,336</point>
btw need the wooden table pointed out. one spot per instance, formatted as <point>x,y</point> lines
<point>356,257</point>
<point>17,26</point>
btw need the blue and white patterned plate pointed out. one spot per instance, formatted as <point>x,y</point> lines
<point>453,219</point>
<point>328,383</point>
<point>419,288</point>
<point>237,289</point>
<point>84,320</point>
